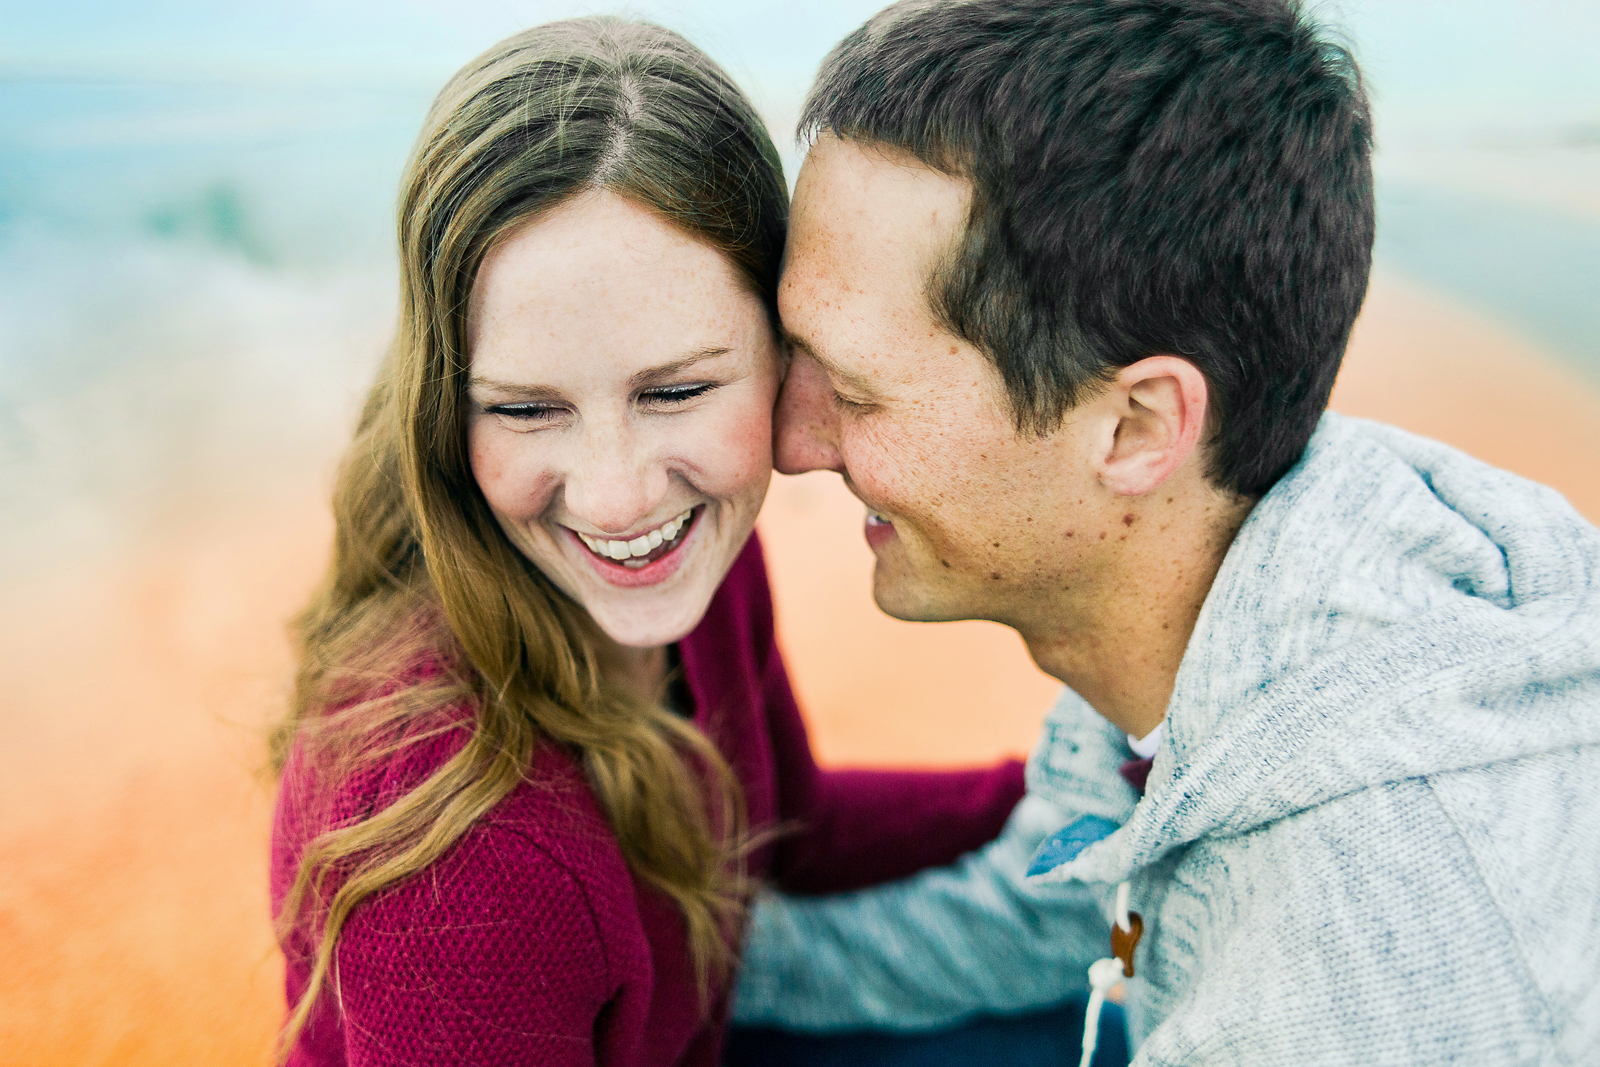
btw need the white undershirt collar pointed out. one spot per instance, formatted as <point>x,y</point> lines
<point>1147,746</point>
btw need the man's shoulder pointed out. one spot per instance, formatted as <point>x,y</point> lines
<point>1509,838</point>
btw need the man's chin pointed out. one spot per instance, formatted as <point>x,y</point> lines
<point>911,601</point>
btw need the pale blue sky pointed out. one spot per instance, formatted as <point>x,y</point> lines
<point>1465,57</point>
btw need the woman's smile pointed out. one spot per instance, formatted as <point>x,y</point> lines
<point>646,558</point>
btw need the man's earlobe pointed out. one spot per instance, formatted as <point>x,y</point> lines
<point>1162,402</point>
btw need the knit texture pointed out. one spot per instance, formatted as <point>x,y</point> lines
<point>530,941</point>
<point>1368,838</point>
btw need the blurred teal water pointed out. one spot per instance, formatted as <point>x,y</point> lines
<point>1532,267</point>
<point>196,206</point>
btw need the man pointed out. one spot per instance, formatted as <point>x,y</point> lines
<point>1068,285</point>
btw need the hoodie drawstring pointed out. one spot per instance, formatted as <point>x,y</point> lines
<point>1104,974</point>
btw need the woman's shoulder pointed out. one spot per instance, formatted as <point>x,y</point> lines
<point>554,810</point>
<point>550,817</point>
<point>360,753</point>
<point>544,842</point>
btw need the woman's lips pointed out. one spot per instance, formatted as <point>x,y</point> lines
<point>645,559</point>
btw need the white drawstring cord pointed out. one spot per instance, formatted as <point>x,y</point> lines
<point>1103,978</point>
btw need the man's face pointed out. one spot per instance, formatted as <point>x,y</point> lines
<point>967,518</point>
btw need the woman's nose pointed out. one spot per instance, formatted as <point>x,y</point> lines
<point>618,482</point>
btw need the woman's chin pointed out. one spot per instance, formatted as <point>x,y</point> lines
<point>651,625</point>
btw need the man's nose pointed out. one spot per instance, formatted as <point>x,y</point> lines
<point>617,483</point>
<point>805,424</point>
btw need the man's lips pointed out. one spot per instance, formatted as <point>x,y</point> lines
<point>879,530</point>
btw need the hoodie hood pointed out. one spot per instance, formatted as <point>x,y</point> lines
<point>1391,609</point>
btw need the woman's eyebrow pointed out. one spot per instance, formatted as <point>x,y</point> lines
<point>515,390</point>
<point>656,375</point>
<point>643,379</point>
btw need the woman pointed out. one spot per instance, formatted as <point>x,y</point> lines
<point>542,744</point>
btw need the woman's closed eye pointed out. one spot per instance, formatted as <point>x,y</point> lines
<point>667,395</point>
<point>527,415</point>
<point>532,415</point>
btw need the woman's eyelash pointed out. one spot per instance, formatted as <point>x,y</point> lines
<point>534,412</point>
<point>667,394</point>
<point>677,393</point>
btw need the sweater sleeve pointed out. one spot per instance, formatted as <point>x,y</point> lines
<point>975,937</point>
<point>855,828</point>
<point>491,955</point>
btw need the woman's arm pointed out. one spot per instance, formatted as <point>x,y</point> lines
<point>492,955</point>
<point>857,828</point>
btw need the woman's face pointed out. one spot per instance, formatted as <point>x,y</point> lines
<point>622,383</point>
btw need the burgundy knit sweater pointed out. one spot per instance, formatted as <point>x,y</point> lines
<point>529,942</point>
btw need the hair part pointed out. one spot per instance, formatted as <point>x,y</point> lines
<point>1188,177</point>
<point>421,569</point>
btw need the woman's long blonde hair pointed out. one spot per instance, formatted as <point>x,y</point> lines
<point>421,570</point>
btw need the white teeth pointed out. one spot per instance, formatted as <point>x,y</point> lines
<point>625,551</point>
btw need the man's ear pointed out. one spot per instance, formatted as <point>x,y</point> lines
<point>1161,404</point>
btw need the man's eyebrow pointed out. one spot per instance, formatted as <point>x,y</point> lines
<point>855,383</point>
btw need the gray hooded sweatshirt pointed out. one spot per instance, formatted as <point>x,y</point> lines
<point>1371,835</point>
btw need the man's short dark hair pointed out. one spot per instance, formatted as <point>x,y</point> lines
<point>1190,177</point>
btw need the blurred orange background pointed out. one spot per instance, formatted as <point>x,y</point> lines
<point>133,814</point>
